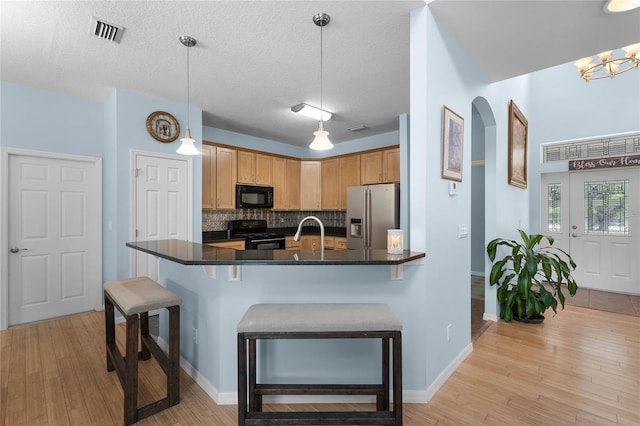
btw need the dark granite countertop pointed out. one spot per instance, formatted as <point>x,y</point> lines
<point>190,253</point>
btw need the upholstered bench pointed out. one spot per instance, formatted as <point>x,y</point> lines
<point>134,298</point>
<point>319,321</point>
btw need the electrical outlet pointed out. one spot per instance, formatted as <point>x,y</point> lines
<point>449,330</point>
<point>195,335</point>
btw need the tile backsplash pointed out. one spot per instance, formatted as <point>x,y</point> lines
<point>216,220</point>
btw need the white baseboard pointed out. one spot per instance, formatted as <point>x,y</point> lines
<point>442,377</point>
<point>490,317</point>
<point>409,397</point>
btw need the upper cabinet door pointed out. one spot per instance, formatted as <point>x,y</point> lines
<point>226,178</point>
<point>246,167</point>
<point>371,168</point>
<point>310,185</point>
<point>208,177</point>
<point>391,165</point>
<point>330,185</point>
<point>263,173</point>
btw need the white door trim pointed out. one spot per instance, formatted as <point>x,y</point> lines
<point>133,198</point>
<point>4,220</point>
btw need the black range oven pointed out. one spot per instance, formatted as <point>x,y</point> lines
<point>256,235</point>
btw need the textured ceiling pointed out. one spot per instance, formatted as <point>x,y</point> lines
<point>256,59</point>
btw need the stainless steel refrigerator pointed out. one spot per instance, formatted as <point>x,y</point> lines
<point>371,210</point>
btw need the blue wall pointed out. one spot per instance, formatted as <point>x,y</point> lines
<point>45,121</point>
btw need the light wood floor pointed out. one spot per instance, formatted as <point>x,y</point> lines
<point>580,367</point>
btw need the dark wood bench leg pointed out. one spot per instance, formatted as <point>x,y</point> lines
<point>110,329</point>
<point>131,372</point>
<point>144,331</point>
<point>173,375</point>
<point>382,402</point>
<point>255,401</point>
<point>242,379</point>
<point>397,378</point>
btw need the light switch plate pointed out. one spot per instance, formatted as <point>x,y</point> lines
<point>463,231</point>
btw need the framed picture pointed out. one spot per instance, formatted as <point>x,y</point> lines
<point>452,143</point>
<point>518,133</point>
<point>163,126</point>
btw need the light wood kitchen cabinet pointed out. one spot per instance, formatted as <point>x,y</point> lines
<point>236,245</point>
<point>208,174</point>
<point>371,167</point>
<point>349,169</point>
<point>290,244</point>
<point>391,165</point>
<point>293,184</point>
<point>286,184</point>
<point>226,178</point>
<point>310,242</point>
<point>310,185</point>
<point>254,168</point>
<point>246,167</point>
<point>340,243</point>
<point>329,242</point>
<point>380,166</point>
<point>264,170</point>
<point>330,185</point>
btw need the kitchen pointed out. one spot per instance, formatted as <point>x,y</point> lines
<point>293,187</point>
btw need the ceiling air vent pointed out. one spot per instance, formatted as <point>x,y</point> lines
<point>105,30</point>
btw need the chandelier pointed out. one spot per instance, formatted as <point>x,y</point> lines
<point>607,65</point>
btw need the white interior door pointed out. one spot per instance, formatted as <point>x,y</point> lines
<point>605,229</point>
<point>162,203</point>
<point>54,236</point>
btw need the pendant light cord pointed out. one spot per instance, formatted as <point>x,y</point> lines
<point>188,114</point>
<point>321,72</point>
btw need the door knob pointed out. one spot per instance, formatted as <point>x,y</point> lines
<point>575,235</point>
<point>15,249</point>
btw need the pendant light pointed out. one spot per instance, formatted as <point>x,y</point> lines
<point>321,141</point>
<point>187,146</point>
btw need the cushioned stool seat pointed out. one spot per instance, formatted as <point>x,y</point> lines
<point>319,321</point>
<point>134,298</point>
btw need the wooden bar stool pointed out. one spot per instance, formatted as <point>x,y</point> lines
<point>319,321</point>
<point>134,298</point>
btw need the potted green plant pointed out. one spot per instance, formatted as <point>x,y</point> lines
<point>527,273</point>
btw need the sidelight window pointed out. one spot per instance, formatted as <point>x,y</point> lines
<point>554,217</point>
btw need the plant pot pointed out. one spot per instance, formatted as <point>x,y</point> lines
<point>536,319</point>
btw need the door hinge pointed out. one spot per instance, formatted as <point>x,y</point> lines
<point>137,172</point>
<point>136,233</point>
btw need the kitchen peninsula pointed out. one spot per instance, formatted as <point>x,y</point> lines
<point>191,253</point>
<point>224,283</point>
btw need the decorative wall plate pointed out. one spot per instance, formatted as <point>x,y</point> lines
<point>163,126</point>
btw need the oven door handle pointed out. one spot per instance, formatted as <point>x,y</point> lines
<point>267,240</point>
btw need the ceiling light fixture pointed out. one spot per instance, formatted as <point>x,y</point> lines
<point>321,141</point>
<point>615,6</point>
<point>311,111</point>
<point>608,65</point>
<point>187,146</point>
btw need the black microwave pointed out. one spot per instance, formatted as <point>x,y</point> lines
<point>254,197</point>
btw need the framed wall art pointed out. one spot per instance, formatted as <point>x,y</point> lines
<point>518,134</point>
<point>452,143</point>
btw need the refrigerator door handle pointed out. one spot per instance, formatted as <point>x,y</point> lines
<point>367,213</point>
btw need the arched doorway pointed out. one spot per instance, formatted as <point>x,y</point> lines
<point>483,148</point>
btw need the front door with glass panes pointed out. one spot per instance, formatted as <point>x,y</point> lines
<point>595,216</point>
